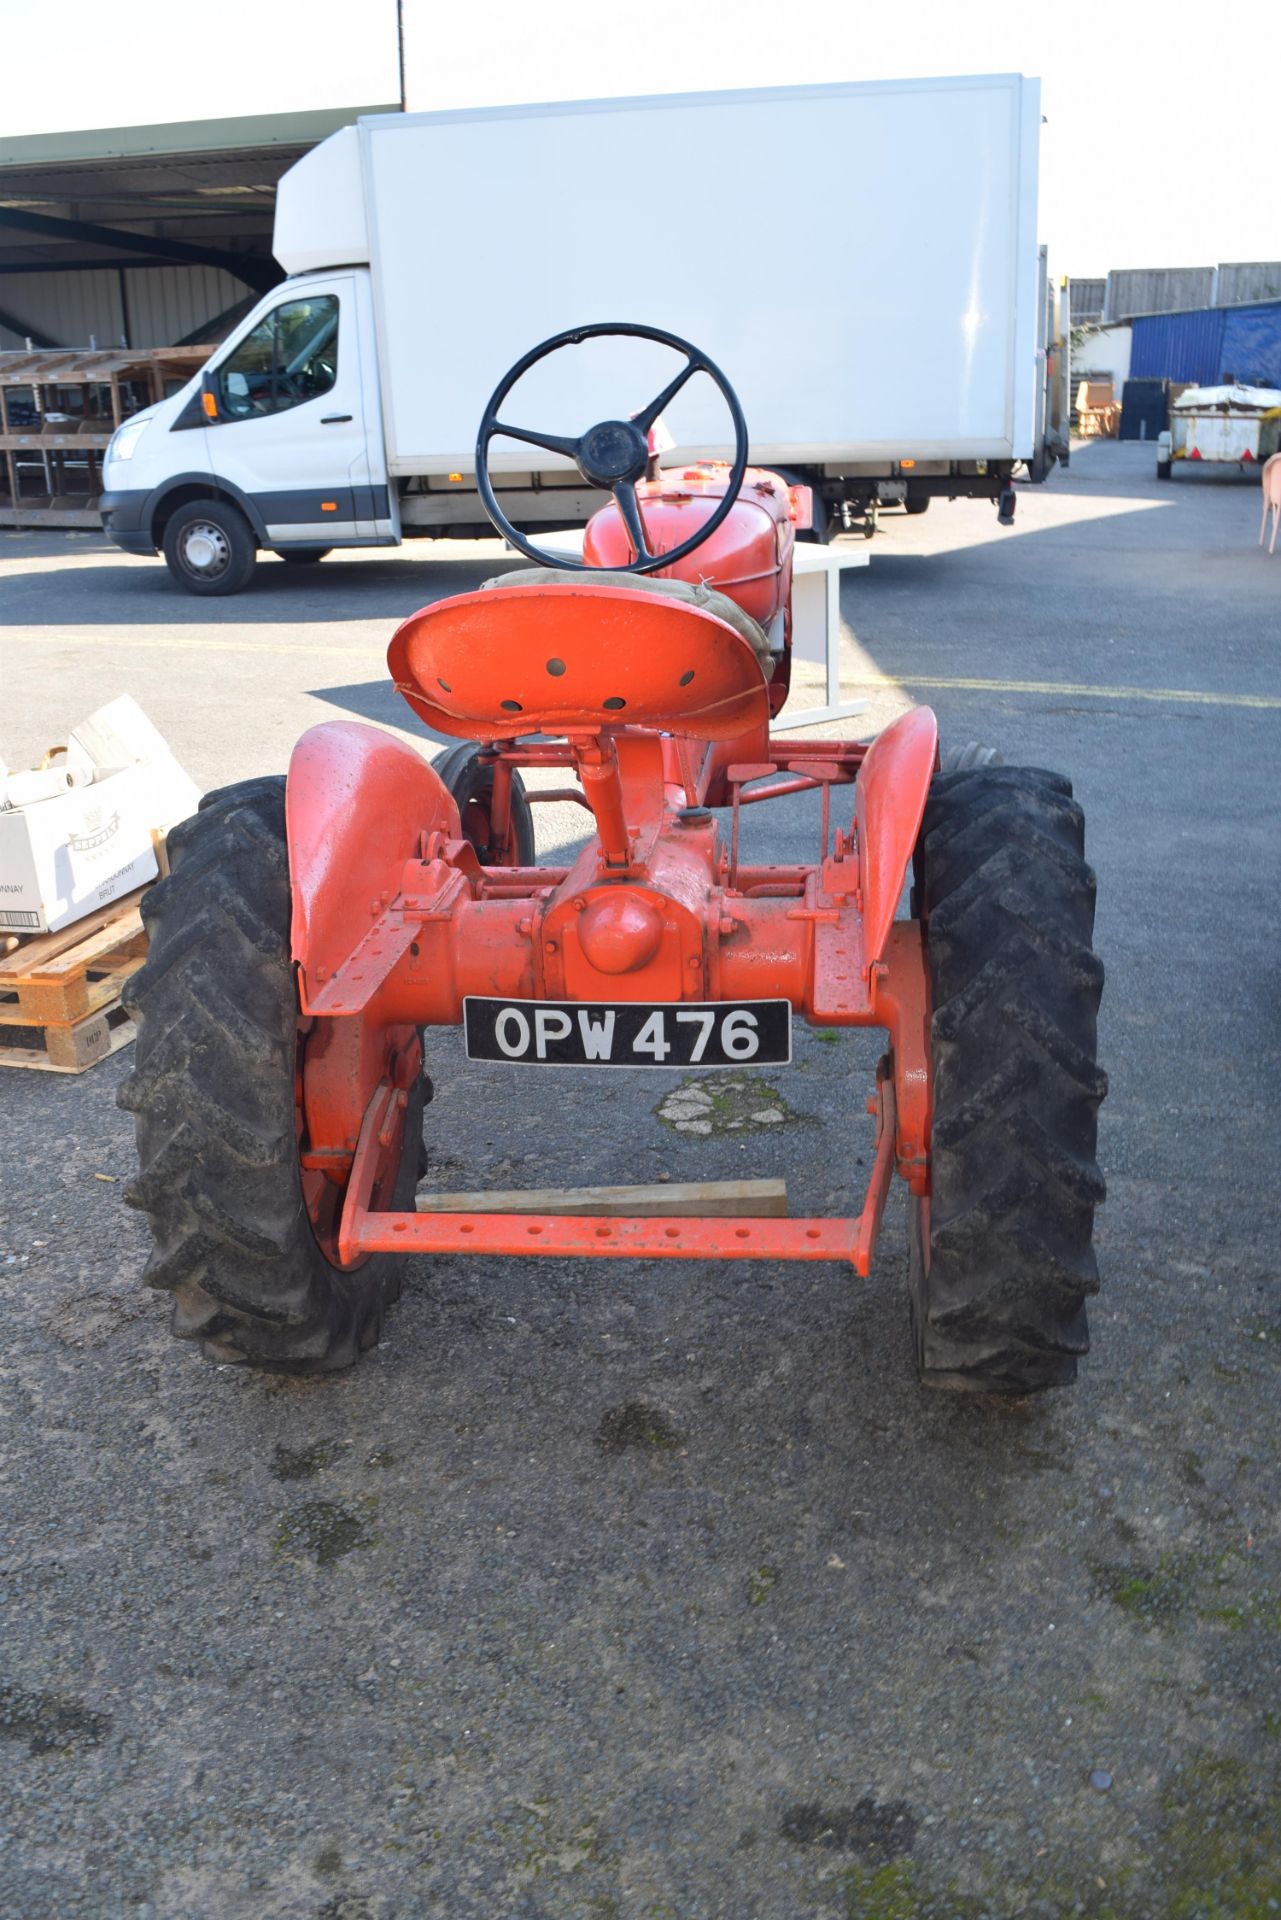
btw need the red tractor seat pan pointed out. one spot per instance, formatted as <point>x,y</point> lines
<point>576,652</point>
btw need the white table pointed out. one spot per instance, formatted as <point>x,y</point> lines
<point>816,627</point>
<point>816,618</point>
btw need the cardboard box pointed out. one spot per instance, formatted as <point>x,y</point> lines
<point>64,857</point>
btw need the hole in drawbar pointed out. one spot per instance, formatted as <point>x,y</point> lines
<point>556,668</point>
<point>533,1229</point>
<point>742,1233</point>
<point>673,1233</point>
<point>399,1227</point>
<point>686,678</point>
<point>466,1228</point>
<point>511,706</point>
<point>811,1233</point>
<point>443,684</point>
<point>614,702</point>
<point>603,1233</point>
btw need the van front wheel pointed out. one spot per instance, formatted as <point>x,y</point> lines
<point>209,547</point>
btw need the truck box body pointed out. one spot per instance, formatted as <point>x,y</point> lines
<point>893,335</point>
<point>901,322</point>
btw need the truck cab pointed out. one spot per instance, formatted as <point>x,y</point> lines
<point>268,446</point>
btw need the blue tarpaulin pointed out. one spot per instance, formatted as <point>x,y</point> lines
<point>1251,352</point>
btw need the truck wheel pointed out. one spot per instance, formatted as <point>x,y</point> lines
<point>916,503</point>
<point>1005,510</point>
<point>214,1095</point>
<point>472,785</point>
<point>301,556</point>
<point>1000,1254</point>
<point>209,547</point>
<point>1163,469</point>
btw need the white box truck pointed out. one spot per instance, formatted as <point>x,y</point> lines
<point>892,345</point>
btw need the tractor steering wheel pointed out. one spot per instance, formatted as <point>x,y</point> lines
<point>614,454</point>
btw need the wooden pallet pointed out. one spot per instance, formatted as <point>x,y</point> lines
<point>60,992</point>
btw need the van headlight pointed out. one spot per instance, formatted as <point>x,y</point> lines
<point>125,439</point>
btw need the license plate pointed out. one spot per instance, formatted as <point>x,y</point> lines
<point>542,1033</point>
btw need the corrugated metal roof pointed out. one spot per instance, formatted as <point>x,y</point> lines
<point>254,130</point>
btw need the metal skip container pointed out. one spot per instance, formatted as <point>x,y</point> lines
<point>1225,426</point>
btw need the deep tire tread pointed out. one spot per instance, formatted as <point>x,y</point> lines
<point>213,1099</point>
<point>1008,901</point>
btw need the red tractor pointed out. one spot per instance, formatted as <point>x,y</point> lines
<point>313,928</point>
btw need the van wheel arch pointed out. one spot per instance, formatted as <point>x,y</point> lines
<point>181,492</point>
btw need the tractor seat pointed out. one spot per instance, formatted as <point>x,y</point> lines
<point>550,651</point>
<point>690,593</point>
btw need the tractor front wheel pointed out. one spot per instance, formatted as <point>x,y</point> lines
<point>1000,1252</point>
<point>216,1097</point>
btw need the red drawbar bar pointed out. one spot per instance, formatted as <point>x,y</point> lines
<point>591,1237</point>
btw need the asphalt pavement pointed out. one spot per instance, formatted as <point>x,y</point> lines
<point>641,1591</point>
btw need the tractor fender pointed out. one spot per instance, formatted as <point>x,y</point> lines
<point>889,805</point>
<point>357,802</point>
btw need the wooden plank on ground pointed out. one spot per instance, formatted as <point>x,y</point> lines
<point>742,1199</point>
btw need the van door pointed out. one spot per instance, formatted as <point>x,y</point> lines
<point>290,426</point>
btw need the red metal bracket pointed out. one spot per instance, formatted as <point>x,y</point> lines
<point>593,1237</point>
<point>430,892</point>
<point>377,1132</point>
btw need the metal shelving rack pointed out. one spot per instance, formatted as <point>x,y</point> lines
<point>92,390</point>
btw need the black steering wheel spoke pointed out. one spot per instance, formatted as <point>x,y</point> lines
<point>648,415</point>
<point>613,455</point>
<point>553,442</point>
<point>629,506</point>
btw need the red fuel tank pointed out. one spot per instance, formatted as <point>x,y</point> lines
<point>749,557</point>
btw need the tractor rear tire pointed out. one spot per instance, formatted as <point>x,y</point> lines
<point>214,1099</point>
<point>471,784</point>
<point>1000,1255</point>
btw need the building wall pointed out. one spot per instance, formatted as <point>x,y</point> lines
<point>73,309</point>
<point>1211,346</point>
<point>1103,354</point>
<point>1178,346</point>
